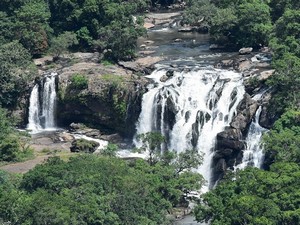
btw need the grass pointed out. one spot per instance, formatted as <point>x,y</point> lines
<point>115,80</point>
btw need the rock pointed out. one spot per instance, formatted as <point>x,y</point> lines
<point>148,25</point>
<point>221,166</point>
<point>170,73</point>
<point>178,40</point>
<point>246,110</point>
<point>227,63</point>
<point>266,118</point>
<point>186,29</point>
<point>66,137</point>
<point>245,65</point>
<point>264,75</point>
<point>112,103</point>
<point>230,138</point>
<point>244,51</point>
<point>224,152</point>
<point>82,145</point>
<point>143,46</point>
<point>76,126</point>
<point>146,52</point>
<point>149,42</point>
<point>254,59</point>
<point>112,138</point>
<point>164,78</point>
<point>43,61</point>
<point>216,47</point>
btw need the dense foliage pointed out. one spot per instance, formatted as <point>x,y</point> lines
<point>255,196</point>
<point>13,145</point>
<point>16,71</point>
<point>95,190</point>
<point>105,26</point>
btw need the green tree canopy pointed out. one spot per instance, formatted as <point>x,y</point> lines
<point>255,196</point>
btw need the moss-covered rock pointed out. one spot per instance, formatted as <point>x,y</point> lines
<point>111,100</point>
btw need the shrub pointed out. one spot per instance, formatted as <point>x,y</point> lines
<point>79,81</point>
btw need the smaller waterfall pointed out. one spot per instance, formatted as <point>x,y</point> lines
<point>253,154</point>
<point>34,119</point>
<point>42,105</point>
<point>49,99</point>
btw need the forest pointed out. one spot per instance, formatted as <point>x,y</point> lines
<point>93,189</point>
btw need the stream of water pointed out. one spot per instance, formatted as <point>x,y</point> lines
<point>42,104</point>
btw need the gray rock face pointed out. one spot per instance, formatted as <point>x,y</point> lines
<point>244,51</point>
<point>111,103</point>
<point>230,138</point>
<point>246,110</point>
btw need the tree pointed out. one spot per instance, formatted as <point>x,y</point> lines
<point>254,196</point>
<point>286,83</point>
<point>15,71</point>
<point>62,43</point>
<point>283,141</point>
<point>32,28</point>
<point>286,38</point>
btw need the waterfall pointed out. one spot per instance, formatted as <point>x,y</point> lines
<point>253,154</point>
<point>49,99</point>
<point>34,119</point>
<point>190,108</point>
<point>42,105</point>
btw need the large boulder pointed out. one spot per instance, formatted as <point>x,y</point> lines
<point>246,110</point>
<point>111,101</point>
<point>230,138</point>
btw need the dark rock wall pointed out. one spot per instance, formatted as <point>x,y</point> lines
<point>104,105</point>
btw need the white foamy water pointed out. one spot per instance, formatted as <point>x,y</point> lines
<point>202,102</point>
<point>253,154</point>
<point>42,105</point>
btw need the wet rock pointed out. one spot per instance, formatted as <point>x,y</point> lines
<point>178,40</point>
<point>164,78</point>
<point>244,51</point>
<point>230,138</point>
<point>246,110</point>
<point>148,25</point>
<point>245,65</point>
<point>186,29</point>
<point>221,166</point>
<point>112,138</point>
<point>266,119</point>
<point>170,73</point>
<point>224,153</point>
<point>227,63</point>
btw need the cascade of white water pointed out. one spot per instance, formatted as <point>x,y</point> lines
<point>42,116</point>
<point>253,154</point>
<point>191,108</point>
<point>49,99</point>
<point>34,119</point>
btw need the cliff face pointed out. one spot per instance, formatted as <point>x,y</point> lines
<point>110,100</point>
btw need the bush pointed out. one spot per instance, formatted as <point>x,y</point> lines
<point>83,145</point>
<point>79,81</point>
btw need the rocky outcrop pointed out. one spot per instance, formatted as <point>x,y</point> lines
<point>230,142</point>
<point>246,110</point>
<point>111,101</point>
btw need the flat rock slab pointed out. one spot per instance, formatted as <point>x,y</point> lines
<point>23,167</point>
